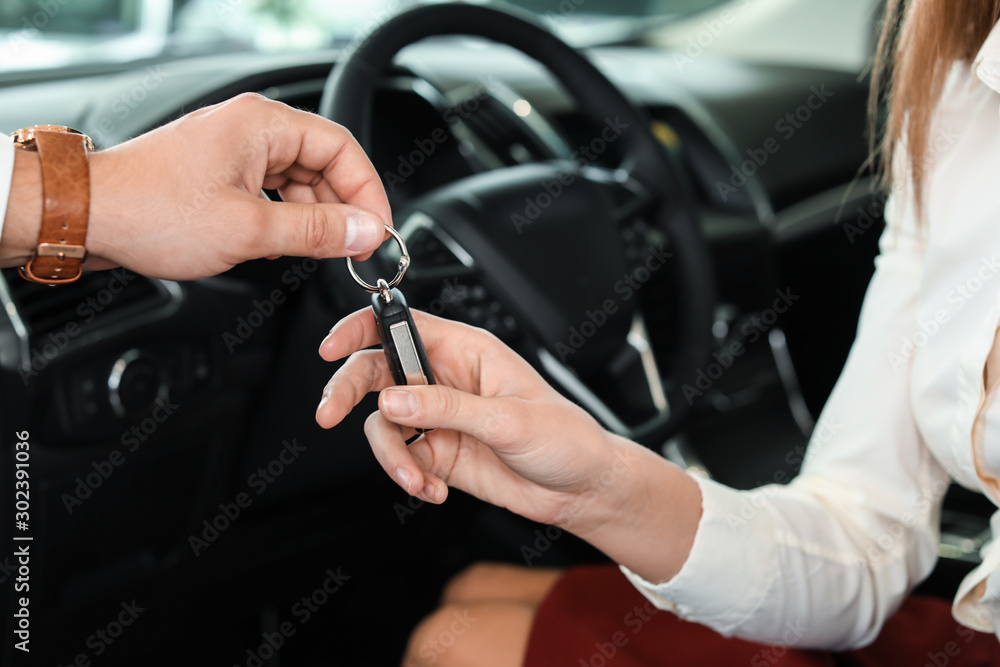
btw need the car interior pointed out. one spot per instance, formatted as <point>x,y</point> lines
<point>679,239</point>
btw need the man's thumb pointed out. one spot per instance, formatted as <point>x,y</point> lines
<point>320,230</point>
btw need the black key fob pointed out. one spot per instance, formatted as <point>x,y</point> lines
<point>404,351</point>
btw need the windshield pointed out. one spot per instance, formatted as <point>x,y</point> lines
<point>47,34</point>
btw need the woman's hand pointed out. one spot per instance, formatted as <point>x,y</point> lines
<point>505,436</point>
<point>184,202</point>
<point>502,433</point>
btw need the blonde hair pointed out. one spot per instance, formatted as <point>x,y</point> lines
<point>920,41</point>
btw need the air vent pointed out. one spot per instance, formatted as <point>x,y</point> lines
<point>95,296</point>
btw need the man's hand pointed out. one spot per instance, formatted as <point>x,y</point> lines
<point>183,201</point>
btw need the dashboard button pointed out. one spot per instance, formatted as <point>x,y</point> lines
<point>135,383</point>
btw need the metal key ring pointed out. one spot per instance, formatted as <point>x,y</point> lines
<point>404,263</point>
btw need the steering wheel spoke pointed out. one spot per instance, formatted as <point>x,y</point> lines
<point>631,199</point>
<point>634,401</point>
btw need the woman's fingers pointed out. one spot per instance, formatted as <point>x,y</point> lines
<point>430,452</point>
<point>358,330</point>
<point>391,453</point>
<point>496,420</point>
<point>355,332</point>
<point>409,467</point>
<point>430,464</point>
<point>362,373</point>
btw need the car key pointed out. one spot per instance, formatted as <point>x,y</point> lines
<point>404,351</point>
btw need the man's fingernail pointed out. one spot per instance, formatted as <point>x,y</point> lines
<point>399,403</point>
<point>403,479</point>
<point>362,232</point>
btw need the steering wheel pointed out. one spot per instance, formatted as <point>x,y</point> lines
<point>560,268</point>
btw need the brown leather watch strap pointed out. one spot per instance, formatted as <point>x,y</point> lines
<point>65,208</point>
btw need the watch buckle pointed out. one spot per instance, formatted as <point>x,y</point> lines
<point>25,137</point>
<point>61,251</point>
<point>27,273</point>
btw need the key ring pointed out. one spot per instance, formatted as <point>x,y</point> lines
<point>383,287</point>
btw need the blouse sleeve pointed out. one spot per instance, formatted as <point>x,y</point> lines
<point>823,561</point>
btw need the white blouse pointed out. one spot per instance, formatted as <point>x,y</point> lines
<point>823,561</point>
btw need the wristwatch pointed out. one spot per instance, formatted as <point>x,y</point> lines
<point>63,154</point>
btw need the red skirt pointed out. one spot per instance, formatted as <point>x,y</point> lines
<point>593,617</point>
